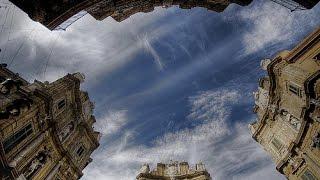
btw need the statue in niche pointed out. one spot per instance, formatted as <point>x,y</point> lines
<point>316,141</point>
<point>37,163</point>
<point>294,122</point>
<point>8,85</point>
<point>66,131</point>
<point>295,164</point>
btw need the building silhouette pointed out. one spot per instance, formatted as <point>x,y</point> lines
<point>288,110</point>
<point>174,171</point>
<point>57,15</point>
<point>46,128</point>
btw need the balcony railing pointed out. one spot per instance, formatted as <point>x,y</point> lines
<point>293,6</point>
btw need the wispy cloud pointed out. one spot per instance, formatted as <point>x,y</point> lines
<point>90,46</point>
<point>101,48</point>
<point>148,47</point>
<point>228,154</point>
<point>112,121</point>
<point>269,24</point>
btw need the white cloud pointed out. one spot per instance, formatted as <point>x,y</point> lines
<point>96,48</point>
<point>145,40</point>
<point>270,23</point>
<point>112,122</point>
<point>226,153</point>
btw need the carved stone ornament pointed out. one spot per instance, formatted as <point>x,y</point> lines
<point>316,141</point>
<point>37,163</point>
<point>7,85</point>
<point>145,169</point>
<point>66,131</point>
<point>296,164</point>
<point>16,107</point>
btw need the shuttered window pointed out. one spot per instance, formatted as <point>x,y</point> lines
<point>61,104</point>
<point>80,151</point>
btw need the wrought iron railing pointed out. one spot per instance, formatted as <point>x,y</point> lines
<point>293,6</point>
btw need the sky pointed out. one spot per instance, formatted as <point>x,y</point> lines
<point>171,84</point>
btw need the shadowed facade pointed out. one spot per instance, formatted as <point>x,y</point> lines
<point>59,14</point>
<point>46,128</point>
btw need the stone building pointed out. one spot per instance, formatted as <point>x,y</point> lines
<point>174,171</point>
<point>46,129</point>
<point>57,15</point>
<point>288,110</point>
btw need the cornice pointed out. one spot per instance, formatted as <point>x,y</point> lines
<point>272,87</point>
<point>304,46</point>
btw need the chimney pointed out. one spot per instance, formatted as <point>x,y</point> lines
<point>184,168</point>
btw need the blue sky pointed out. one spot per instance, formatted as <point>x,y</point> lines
<point>172,84</point>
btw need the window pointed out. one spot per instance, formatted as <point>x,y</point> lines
<point>17,138</point>
<point>317,57</point>
<point>294,89</point>
<point>80,151</point>
<point>307,175</point>
<point>61,104</point>
<point>2,79</point>
<point>276,143</point>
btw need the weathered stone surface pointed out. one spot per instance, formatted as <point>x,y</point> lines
<point>174,171</point>
<point>288,113</point>
<point>47,132</point>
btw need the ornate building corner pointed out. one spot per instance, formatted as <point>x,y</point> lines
<point>46,128</point>
<point>288,111</point>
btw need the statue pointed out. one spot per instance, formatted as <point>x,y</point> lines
<point>66,131</point>
<point>316,141</point>
<point>7,85</point>
<point>37,163</point>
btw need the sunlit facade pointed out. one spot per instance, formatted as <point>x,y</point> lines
<point>46,128</point>
<point>288,110</point>
<point>174,171</point>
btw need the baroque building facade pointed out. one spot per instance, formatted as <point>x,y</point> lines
<point>57,15</point>
<point>288,110</point>
<point>46,128</point>
<point>174,171</point>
